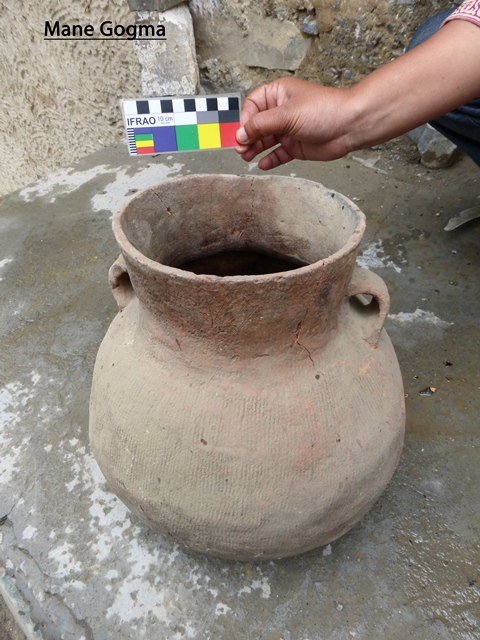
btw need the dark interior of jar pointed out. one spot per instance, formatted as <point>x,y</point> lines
<point>240,263</point>
<point>238,225</point>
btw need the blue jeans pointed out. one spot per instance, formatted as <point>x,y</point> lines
<point>461,126</point>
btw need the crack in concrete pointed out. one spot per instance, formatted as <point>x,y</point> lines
<point>28,576</point>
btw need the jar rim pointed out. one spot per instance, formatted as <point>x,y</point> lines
<point>132,253</point>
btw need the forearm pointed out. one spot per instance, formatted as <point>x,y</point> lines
<point>439,75</point>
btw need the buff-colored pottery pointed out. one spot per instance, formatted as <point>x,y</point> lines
<point>246,416</point>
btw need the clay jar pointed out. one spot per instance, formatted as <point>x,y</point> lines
<point>246,401</point>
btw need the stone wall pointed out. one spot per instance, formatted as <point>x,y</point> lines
<point>59,101</point>
<point>336,42</point>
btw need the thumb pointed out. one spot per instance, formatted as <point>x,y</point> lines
<point>272,122</point>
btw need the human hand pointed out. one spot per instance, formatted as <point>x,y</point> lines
<point>311,122</point>
<point>308,121</point>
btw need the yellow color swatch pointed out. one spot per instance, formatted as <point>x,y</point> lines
<point>209,136</point>
<point>144,143</point>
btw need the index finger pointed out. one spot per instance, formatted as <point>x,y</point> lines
<point>254,103</point>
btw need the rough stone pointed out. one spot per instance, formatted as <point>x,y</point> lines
<point>436,151</point>
<point>310,27</point>
<point>264,42</point>
<point>416,134</point>
<point>169,67</point>
<point>152,5</point>
<point>229,76</point>
<point>219,77</point>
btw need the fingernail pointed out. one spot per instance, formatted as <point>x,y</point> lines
<point>241,149</point>
<point>242,136</point>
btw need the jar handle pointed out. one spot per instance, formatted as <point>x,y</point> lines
<point>120,283</point>
<point>365,282</point>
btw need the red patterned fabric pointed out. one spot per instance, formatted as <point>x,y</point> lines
<point>469,10</point>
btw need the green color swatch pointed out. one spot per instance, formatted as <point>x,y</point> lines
<point>187,137</point>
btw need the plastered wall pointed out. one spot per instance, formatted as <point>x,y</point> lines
<point>58,100</point>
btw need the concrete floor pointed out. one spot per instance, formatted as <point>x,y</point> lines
<point>78,565</point>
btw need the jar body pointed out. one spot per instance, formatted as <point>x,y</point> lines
<point>267,458</point>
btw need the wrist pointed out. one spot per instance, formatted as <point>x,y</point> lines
<point>364,119</point>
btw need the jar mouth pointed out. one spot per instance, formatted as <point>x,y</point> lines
<point>227,227</point>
